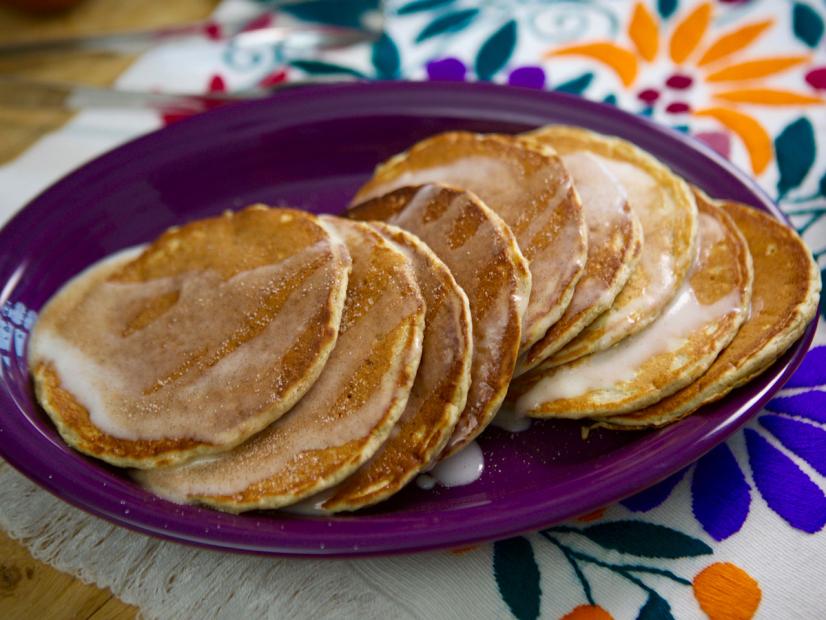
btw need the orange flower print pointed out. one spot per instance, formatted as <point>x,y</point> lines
<point>592,516</point>
<point>587,612</point>
<point>727,592</point>
<point>685,69</point>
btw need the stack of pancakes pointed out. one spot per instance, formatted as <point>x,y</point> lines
<point>265,357</point>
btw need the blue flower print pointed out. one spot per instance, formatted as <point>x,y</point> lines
<point>720,492</point>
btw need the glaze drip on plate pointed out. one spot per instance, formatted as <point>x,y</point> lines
<point>463,468</point>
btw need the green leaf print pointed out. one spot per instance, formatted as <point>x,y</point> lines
<point>417,6</point>
<point>496,51</point>
<point>645,540</point>
<point>655,608</point>
<point>577,85</point>
<point>807,24</point>
<point>795,151</point>
<point>386,59</point>
<point>666,8</point>
<point>517,577</point>
<point>451,22</point>
<point>317,67</point>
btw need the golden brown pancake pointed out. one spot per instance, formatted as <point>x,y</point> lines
<point>673,351</point>
<point>481,252</point>
<point>614,246</point>
<point>526,184</point>
<point>347,414</point>
<point>209,335</point>
<point>439,392</point>
<point>668,214</point>
<point>784,300</point>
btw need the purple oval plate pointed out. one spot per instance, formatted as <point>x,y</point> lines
<point>312,148</point>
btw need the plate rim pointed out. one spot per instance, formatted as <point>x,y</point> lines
<point>110,507</point>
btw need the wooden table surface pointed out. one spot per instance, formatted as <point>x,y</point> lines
<point>29,588</point>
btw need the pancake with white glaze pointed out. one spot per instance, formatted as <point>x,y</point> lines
<point>482,254</point>
<point>209,335</point>
<point>667,211</point>
<point>784,300</point>
<point>614,244</point>
<point>670,353</point>
<point>439,392</point>
<point>347,414</point>
<point>527,185</point>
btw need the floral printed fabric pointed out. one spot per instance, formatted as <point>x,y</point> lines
<point>739,534</point>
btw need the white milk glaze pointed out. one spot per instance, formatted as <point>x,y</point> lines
<point>509,420</point>
<point>310,507</point>
<point>621,362</point>
<point>495,312</point>
<point>546,228</point>
<point>306,427</point>
<point>425,482</point>
<point>656,260</point>
<point>325,417</point>
<point>462,468</point>
<point>465,172</point>
<point>685,317</point>
<point>603,202</point>
<point>144,384</point>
